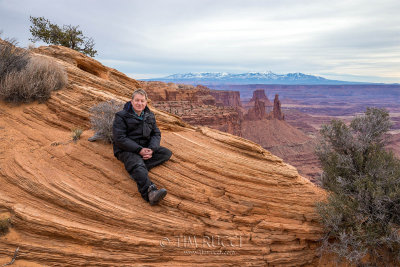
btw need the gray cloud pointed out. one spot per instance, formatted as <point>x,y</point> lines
<point>350,39</point>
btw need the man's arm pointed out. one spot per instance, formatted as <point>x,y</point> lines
<point>155,137</point>
<point>120,137</point>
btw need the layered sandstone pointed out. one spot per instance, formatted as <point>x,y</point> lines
<point>74,204</point>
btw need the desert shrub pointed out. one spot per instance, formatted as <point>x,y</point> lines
<point>34,82</point>
<point>102,117</point>
<point>76,134</point>
<point>12,58</point>
<point>361,216</point>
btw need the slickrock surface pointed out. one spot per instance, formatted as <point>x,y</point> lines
<point>73,203</point>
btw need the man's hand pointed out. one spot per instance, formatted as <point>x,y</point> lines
<point>146,153</point>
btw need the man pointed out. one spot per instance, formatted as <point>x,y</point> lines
<point>137,144</point>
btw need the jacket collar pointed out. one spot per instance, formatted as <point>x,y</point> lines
<point>128,108</point>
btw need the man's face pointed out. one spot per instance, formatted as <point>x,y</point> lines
<point>139,102</point>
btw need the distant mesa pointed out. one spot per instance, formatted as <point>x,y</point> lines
<point>209,78</point>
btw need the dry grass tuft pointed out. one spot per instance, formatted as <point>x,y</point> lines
<point>76,134</point>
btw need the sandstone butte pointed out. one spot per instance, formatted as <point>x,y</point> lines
<point>73,203</point>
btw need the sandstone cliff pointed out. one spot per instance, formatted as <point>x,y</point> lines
<point>74,204</point>
<point>160,91</point>
<point>227,98</point>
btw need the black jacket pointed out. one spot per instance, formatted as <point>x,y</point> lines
<point>132,134</point>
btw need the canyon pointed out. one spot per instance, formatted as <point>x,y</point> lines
<point>303,109</point>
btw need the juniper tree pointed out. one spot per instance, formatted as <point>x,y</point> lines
<point>361,215</point>
<point>67,35</point>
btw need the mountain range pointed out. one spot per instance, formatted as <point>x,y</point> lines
<point>247,78</point>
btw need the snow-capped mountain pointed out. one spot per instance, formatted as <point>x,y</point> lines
<point>247,78</point>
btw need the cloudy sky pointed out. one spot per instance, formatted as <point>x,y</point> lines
<point>341,39</point>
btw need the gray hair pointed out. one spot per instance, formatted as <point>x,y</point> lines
<point>139,91</point>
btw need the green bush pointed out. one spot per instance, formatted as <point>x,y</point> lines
<point>361,216</point>
<point>102,118</point>
<point>35,81</point>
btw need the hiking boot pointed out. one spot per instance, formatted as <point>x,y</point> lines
<point>96,136</point>
<point>155,195</point>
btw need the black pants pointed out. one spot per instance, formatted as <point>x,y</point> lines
<point>138,168</point>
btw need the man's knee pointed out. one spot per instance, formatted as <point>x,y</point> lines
<point>164,152</point>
